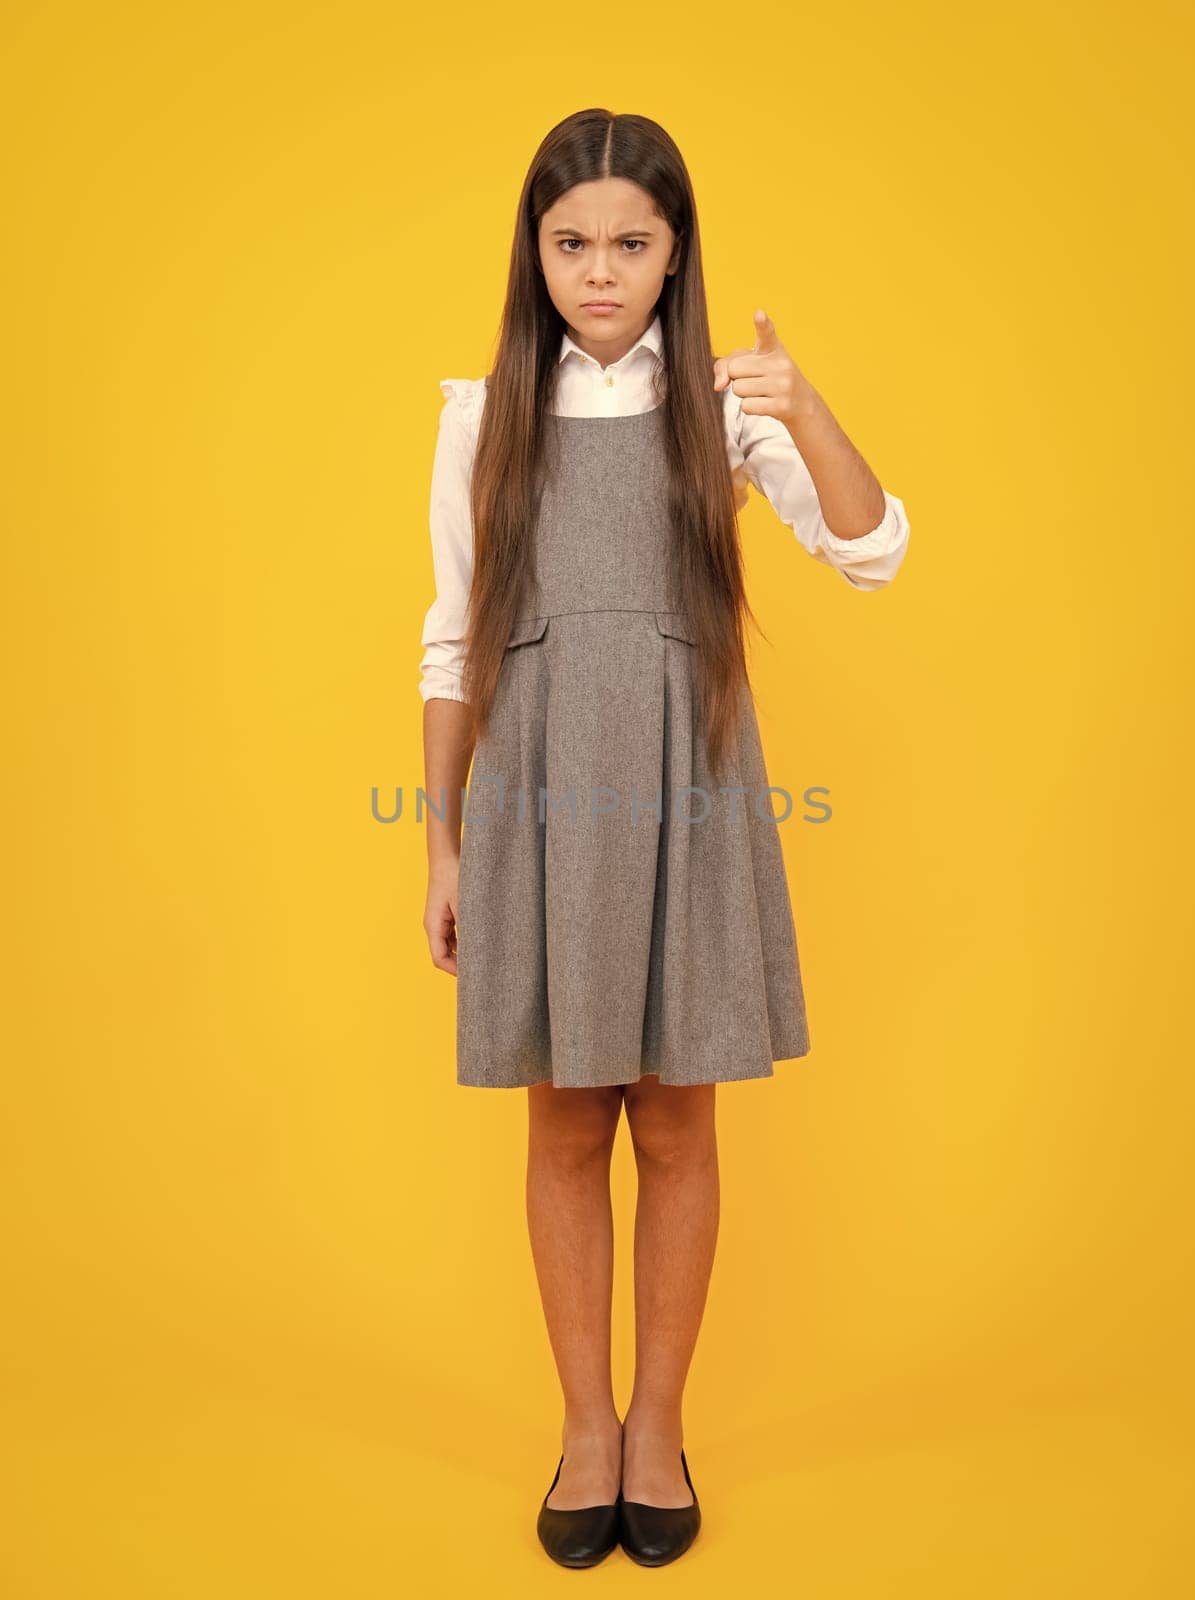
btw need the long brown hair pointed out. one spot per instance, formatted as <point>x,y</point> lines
<point>510,450</point>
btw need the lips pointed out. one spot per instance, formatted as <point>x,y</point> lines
<point>610,305</point>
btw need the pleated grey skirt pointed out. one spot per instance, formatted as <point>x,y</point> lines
<point>621,911</point>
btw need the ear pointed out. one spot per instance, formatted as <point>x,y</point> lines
<point>677,251</point>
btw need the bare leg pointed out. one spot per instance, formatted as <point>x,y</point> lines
<point>676,1229</point>
<point>571,1224</point>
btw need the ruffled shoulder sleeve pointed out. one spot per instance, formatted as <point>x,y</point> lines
<point>469,395</point>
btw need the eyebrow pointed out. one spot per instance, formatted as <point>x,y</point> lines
<point>632,233</point>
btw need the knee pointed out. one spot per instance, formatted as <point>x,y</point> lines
<point>673,1126</point>
<point>573,1126</point>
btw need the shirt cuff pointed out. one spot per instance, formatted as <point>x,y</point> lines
<point>433,688</point>
<point>873,543</point>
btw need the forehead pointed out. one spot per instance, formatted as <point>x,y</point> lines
<point>613,204</point>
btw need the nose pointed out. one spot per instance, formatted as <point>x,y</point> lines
<point>599,272</point>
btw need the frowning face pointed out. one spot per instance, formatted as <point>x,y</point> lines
<point>605,254</point>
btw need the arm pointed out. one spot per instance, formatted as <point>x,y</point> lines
<point>447,752</point>
<point>450,519</point>
<point>765,452</point>
<point>784,440</point>
<point>447,744</point>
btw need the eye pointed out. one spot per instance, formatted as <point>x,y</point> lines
<point>640,244</point>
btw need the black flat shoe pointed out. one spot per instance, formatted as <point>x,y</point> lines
<point>580,1537</point>
<point>654,1535</point>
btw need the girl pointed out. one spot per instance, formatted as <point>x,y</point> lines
<point>613,900</point>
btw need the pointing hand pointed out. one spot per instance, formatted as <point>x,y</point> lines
<point>766,378</point>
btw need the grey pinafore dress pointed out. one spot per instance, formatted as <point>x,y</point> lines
<point>619,912</point>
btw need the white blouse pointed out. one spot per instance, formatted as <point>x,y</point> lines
<point>761,452</point>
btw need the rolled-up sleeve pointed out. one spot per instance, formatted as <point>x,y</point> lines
<point>451,523</point>
<point>762,449</point>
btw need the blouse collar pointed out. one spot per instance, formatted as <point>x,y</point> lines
<point>651,339</point>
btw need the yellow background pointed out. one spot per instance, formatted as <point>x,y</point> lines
<point>272,1326</point>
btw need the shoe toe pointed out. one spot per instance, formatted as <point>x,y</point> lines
<point>578,1538</point>
<point>654,1535</point>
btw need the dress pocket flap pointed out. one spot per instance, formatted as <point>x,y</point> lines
<point>676,625</point>
<point>525,629</point>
